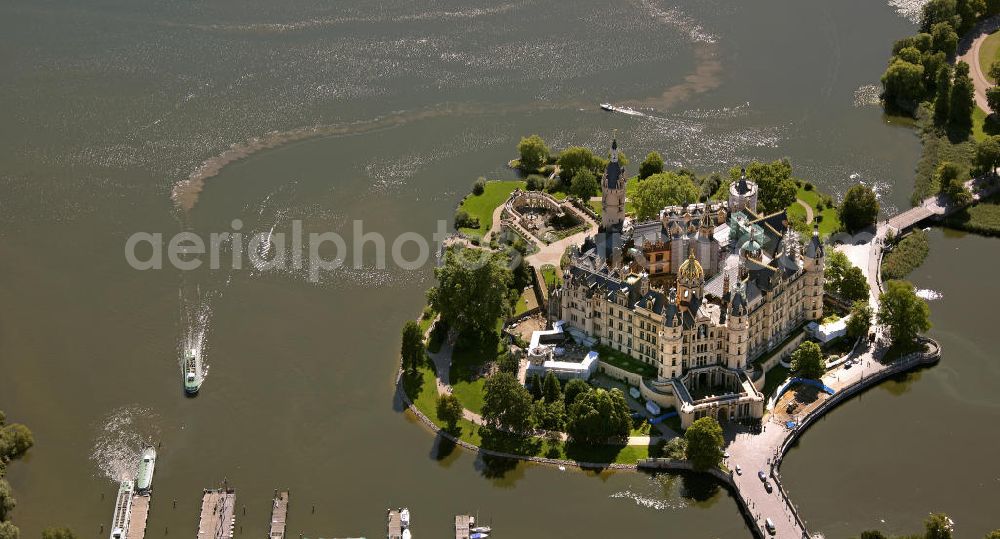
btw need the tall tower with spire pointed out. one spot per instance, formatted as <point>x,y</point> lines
<point>613,193</point>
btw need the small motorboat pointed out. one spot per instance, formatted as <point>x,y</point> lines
<point>608,107</point>
<point>481,529</point>
<point>404,517</point>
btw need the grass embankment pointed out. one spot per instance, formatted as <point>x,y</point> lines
<point>551,276</point>
<point>905,256</point>
<point>983,218</point>
<point>481,206</point>
<point>937,149</point>
<point>773,379</point>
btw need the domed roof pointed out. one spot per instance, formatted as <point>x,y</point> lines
<point>691,270</point>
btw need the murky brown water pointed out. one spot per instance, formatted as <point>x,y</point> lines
<point>109,106</point>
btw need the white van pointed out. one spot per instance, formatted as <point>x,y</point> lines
<point>770,526</point>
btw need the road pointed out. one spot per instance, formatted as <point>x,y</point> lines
<point>971,45</point>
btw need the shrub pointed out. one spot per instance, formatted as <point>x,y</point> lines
<point>808,186</point>
<point>464,220</point>
<point>479,186</point>
<point>535,182</point>
<point>906,256</point>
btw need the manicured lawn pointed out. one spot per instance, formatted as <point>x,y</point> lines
<point>525,302</point>
<point>623,361</point>
<point>551,276</point>
<point>596,205</point>
<point>482,206</point>
<point>983,125</point>
<point>829,220</point>
<point>989,52</point>
<point>470,355</point>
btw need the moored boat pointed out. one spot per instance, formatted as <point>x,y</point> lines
<point>123,510</point>
<point>144,479</point>
<point>607,106</point>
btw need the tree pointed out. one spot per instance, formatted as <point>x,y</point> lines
<point>873,534</point>
<point>859,209</point>
<point>704,443</point>
<point>776,188</point>
<point>472,291</point>
<point>599,416</point>
<point>9,531</point>
<point>534,153</point>
<point>993,98</point>
<point>961,103</point>
<point>938,526</point>
<point>994,72</point>
<point>535,386</point>
<point>943,96</point>
<point>412,348</point>
<point>506,403</point>
<point>836,266</point>
<point>853,285</point>
<point>449,410</point>
<point>807,360</point>
<point>951,179</point>
<point>534,182</point>
<point>479,186</point>
<point>903,85</point>
<point>7,501</point>
<point>576,158</point>
<point>937,11</point>
<point>584,185</point>
<point>944,38</point>
<point>988,154</point>
<point>995,534</point>
<point>15,441</point>
<point>58,533</point>
<point>508,363</point>
<point>653,164</point>
<point>659,190</point>
<point>550,415</point>
<point>968,12</point>
<point>860,321</point>
<point>903,312</point>
<point>551,390</point>
<point>573,389</point>
<point>464,220</point>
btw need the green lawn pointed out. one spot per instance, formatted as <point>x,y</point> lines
<point>989,52</point>
<point>481,206</point>
<point>983,218</point>
<point>829,220</point>
<point>470,354</point>
<point>551,276</point>
<point>525,302</point>
<point>624,361</point>
<point>596,205</point>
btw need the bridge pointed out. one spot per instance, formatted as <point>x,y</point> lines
<point>940,206</point>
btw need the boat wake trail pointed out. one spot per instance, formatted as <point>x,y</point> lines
<point>121,437</point>
<point>196,319</point>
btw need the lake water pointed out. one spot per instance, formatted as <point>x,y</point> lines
<point>121,117</point>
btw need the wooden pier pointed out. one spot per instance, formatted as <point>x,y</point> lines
<point>279,515</point>
<point>138,516</point>
<point>394,525</point>
<point>463,526</point>
<point>218,514</point>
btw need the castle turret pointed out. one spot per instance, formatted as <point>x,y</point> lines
<point>613,193</point>
<point>690,279</point>
<point>737,340</point>
<point>743,194</point>
<point>814,263</point>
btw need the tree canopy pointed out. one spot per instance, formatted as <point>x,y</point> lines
<point>584,184</point>
<point>961,102</point>
<point>860,321</point>
<point>776,188</point>
<point>449,409</point>
<point>844,279</point>
<point>938,526</point>
<point>58,533</point>
<point>807,360</point>
<point>534,153</point>
<point>576,158</point>
<point>905,314</point>
<point>903,84</point>
<point>473,289</point>
<point>412,348</point>
<point>943,87</point>
<point>988,154</point>
<point>859,209</point>
<point>704,443</point>
<point>659,190</point>
<point>653,164</point>
<point>506,403</point>
<point>599,415</point>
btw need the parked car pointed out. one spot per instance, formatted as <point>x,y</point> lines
<point>739,471</point>
<point>767,486</point>
<point>761,475</point>
<point>770,527</point>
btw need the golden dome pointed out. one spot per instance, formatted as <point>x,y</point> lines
<point>691,270</point>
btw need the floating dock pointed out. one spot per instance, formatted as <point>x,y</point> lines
<point>218,514</point>
<point>279,514</point>
<point>138,516</point>
<point>463,526</point>
<point>394,525</point>
<point>123,511</point>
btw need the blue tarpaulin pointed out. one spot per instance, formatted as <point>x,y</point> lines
<point>659,419</point>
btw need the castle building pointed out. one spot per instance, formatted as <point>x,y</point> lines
<point>745,284</point>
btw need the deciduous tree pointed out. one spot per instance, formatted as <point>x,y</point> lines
<point>412,348</point>
<point>943,98</point>
<point>905,314</point>
<point>584,185</point>
<point>576,158</point>
<point>599,416</point>
<point>704,443</point>
<point>903,85</point>
<point>659,190</point>
<point>653,164</point>
<point>472,291</point>
<point>860,321</point>
<point>807,360</point>
<point>534,153</point>
<point>449,409</point>
<point>961,103</point>
<point>551,389</point>
<point>859,209</point>
<point>506,403</point>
